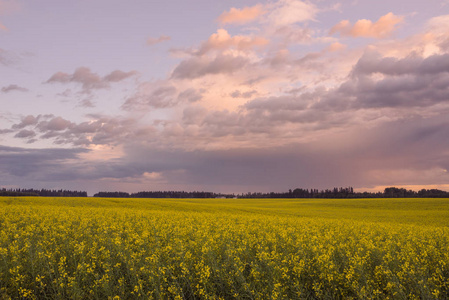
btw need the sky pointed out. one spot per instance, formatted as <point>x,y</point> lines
<point>224,96</point>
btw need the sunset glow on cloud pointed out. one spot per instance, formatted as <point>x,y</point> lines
<point>241,16</point>
<point>366,28</point>
<point>235,97</point>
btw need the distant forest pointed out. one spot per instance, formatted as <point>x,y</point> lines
<point>391,192</point>
<point>348,192</point>
<point>42,192</point>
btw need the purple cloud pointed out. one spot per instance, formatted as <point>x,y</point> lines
<point>13,87</point>
<point>90,80</point>
<point>24,133</point>
<point>153,41</point>
<point>200,66</point>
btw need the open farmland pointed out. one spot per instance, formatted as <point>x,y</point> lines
<point>95,248</point>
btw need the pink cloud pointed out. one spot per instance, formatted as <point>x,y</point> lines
<point>366,28</point>
<point>241,16</point>
<point>153,41</point>
<point>335,47</point>
<point>3,27</point>
<point>222,40</point>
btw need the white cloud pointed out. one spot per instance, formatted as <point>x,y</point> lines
<point>288,12</point>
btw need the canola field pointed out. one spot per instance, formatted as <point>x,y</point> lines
<point>94,248</point>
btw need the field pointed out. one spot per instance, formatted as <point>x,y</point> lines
<point>93,248</point>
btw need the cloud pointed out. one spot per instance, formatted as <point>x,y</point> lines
<point>271,104</point>
<point>81,75</point>
<point>288,12</point>
<point>24,133</point>
<point>27,121</point>
<point>117,75</point>
<point>277,14</point>
<point>54,124</point>
<point>354,157</point>
<point>241,16</point>
<point>42,165</point>
<point>153,96</point>
<point>336,47</point>
<point>13,87</point>
<point>438,23</point>
<point>4,131</point>
<point>194,114</point>
<point>199,66</point>
<point>153,41</point>
<point>99,130</point>
<point>239,94</point>
<point>408,82</point>
<point>437,29</point>
<point>365,28</point>
<point>372,62</point>
<point>359,157</point>
<point>90,80</point>
<point>295,34</point>
<point>86,103</point>
<point>223,40</point>
<point>190,95</point>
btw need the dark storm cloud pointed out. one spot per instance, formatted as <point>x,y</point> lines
<point>409,82</point>
<point>372,62</point>
<point>35,162</point>
<point>359,157</point>
<point>342,159</point>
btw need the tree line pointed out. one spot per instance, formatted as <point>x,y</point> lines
<point>348,192</point>
<point>42,192</point>
<point>342,192</point>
